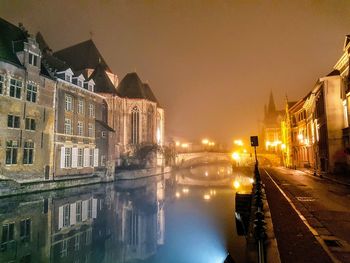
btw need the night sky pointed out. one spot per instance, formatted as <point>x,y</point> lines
<point>211,64</point>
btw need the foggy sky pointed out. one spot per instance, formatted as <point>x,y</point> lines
<point>211,64</point>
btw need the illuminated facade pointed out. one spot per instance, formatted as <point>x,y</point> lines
<point>272,137</point>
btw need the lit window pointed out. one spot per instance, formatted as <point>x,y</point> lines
<point>28,152</point>
<point>2,84</point>
<point>68,157</point>
<point>30,124</point>
<point>80,128</point>
<point>13,121</point>
<point>31,93</point>
<point>68,126</point>
<point>11,152</point>
<point>81,106</point>
<point>15,88</point>
<point>91,110</point>
<point>91,130</point>
<point>80,157</point>
<point>69,103</point>
<point>33,59</point>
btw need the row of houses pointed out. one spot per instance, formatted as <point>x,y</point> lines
<point>313,132</point>
<point>65,113</point>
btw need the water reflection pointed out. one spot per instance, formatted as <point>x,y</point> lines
<point>150,220</point>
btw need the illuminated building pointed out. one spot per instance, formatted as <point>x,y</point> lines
<point>272,127</point>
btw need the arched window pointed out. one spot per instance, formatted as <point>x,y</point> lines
<point>150,127</point>
<point>135,125</point>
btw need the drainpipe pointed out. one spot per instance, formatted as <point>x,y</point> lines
<point>55,130</point>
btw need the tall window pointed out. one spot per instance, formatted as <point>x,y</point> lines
<point>91,110</point>
<point>81,106</point>
<point>91,130</point>
<point>33,59</point>
<point>135,119</point>
<point>69,103</point>
<point>31,92</point>
<point>28,152</point>
<point>68,157</point>
<point>11,152</point>
<point>30,124</point>
<point>15,88</point>
<point>78,211</point>
<point>80,157</point>
<point>91,156</point>
<point>25,228</point>
<point>8,232</point>
<point>150,127</point>
<point>67,126</point>
<point>2,85</point>
<point>13,121</point>
<point>80,130</point>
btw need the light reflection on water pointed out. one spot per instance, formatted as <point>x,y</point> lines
<point>157,219</point>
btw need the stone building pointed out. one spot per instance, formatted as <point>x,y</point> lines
<point>272,127</point>
<point>81,135</point>
<point>133,110</point>
<point>26,108</point>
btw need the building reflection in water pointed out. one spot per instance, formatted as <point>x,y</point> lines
<point>104,223</point>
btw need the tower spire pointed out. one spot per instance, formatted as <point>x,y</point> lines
<point>272,107</point>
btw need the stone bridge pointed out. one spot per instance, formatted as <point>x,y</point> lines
<point>192,158</point>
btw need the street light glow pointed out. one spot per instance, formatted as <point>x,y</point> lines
<point>235,156</point>
<point>238,142</point>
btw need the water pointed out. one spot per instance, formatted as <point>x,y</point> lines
<point>187,216</point>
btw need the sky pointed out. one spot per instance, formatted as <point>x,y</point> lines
<point>211,64</point>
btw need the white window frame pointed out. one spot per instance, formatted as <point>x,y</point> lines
<point>80,161</point>
<point>91,110</point>
<point>80,128</point>
<point>91,157</point>
<point>91,130</point>
<point>81,106</point>
<point>68,102</point>
<point>2,84</point>
<point>68,126</point>
<point>68,157</point>
<point>33,59</point>
<point>17,87</point>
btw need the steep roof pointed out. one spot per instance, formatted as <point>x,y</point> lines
<point>82,55</point>
<point>132,87</point>
<point>102,81</point>
<point>271,107</point>
<point>44,47</point>
<point>150,95</point>
<point>12,39</point>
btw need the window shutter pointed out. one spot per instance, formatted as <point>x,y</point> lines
<point>74,157</point>
<point>84,214</point>
<point>86,157</point>
<point>73,213</point>
<point>95,157</point>
<point>60,217</point>
<point>63,150</point>
<point>94,208</point>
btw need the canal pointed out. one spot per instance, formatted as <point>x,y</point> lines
<point>186,216</point>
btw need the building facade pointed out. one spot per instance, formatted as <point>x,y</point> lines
<point>26,108</point>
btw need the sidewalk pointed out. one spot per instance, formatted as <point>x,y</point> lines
<point>295,241</point>
<point>338,178</point>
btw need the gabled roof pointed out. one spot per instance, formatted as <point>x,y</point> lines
<point>103,83</point>
<point>105,125</point>
<point>334,73</point>
<point>346,42</point>
<point>82,56</point>
<point>150,95</point>
<point>12,39</point>
<point>44,47</point>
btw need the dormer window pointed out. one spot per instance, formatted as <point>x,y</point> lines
<point>33,59</point>
<point>68,77</point>
<point>79,80</point>
<point>80,83</point>
<point>90,85</point>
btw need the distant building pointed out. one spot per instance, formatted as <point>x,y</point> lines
<point>272,127</point>
<point>26,108</point>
